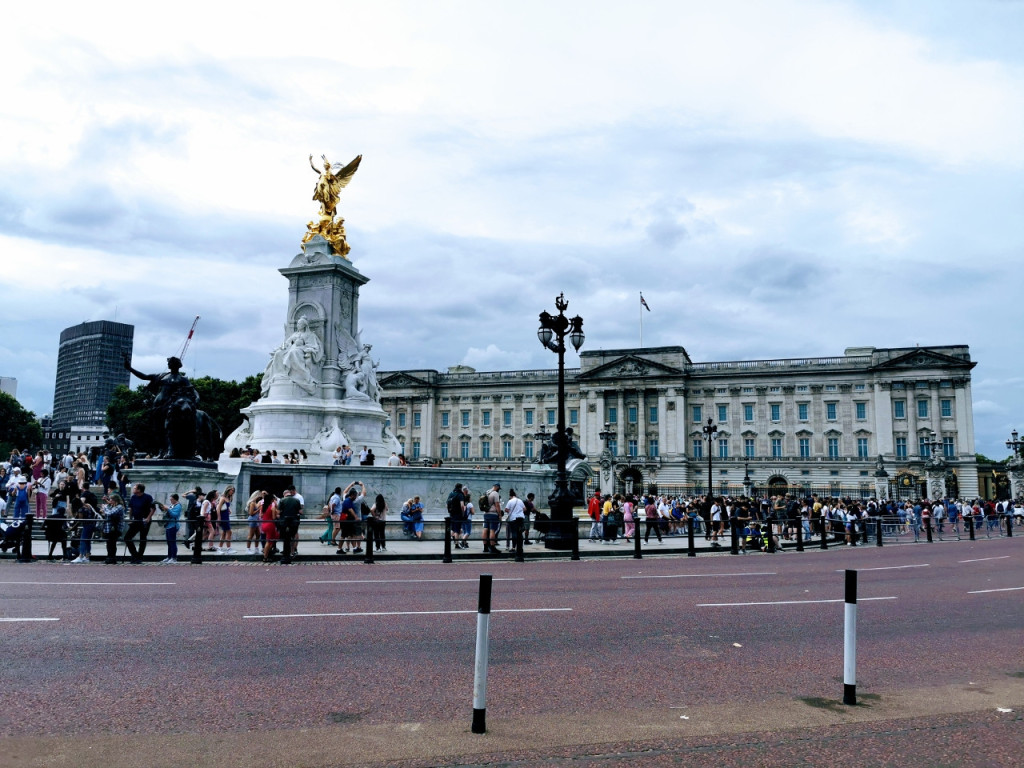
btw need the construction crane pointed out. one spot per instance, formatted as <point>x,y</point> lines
<point>188,339</point>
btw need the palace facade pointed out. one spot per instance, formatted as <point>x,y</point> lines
<point>866,420</point>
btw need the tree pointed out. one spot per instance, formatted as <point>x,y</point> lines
<point>18,428</point>
<point>128,414</point>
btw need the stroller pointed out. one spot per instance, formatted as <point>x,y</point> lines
<point>10,537</point>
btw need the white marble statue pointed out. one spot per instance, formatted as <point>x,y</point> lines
<point>361,376</point>
<point>295,359</point>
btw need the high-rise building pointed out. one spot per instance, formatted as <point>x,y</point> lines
<point>90,365</point>
<point>9,385</point>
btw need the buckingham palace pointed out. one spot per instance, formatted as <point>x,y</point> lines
<point>835,425</point>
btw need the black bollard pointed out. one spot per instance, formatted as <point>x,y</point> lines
<point>1009,526</point>
<point>734,535</point>
<point>770,541</point>
<point>691,550</point>
<point>970,525</point>
<point>371,525</point>
<point>575,539</point>
<point>637,555</point>
<point>878,532</point>
<point>864,530</point>
<point>800,535</point>
<point>25,550</point>
<point>519,541</point>
<point>447,541</point>
<point>928,528</point>
<point>823,544</point>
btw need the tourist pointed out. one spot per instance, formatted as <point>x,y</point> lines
<point>289,512</point>
<point>379,511</point>
<point>515,513</point>
<point>627,517</point>
<point>224,519</point>
<point>54,530</point>
<point>113,518</point>
<point>393,460</point>
<point>456,508</point>
<point>252,517</point>
<point>84,510</point>
<point>20,506</point>
<point>651,520</point>
<point>172,521</point>
<point>41,489</point>
<point>351,506</point>
<point>594,512</point>
<point>492,519</point>
<point>416,516</point>
<point>612,518</point>
<point>268,525</point>
<point>207,517</point>
<point>529,509</point>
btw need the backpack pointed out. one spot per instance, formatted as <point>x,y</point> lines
<point>191,508</point>
<point>483,504</point>
<point>454,505</point>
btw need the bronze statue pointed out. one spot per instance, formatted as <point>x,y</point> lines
<point>188,431</point>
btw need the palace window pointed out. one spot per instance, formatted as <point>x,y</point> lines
<point>776,447</point>
<point>862,447</point>
<point>833,447</point>
<point>805,447</point>
<point>748,447</point>
<point>901,447</point>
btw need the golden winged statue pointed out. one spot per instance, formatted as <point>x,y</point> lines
<point>327,192</point>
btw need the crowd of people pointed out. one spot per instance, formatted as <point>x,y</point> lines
<point>765,521</point>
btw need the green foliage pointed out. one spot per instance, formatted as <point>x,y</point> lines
<point>223,400</point>
<point>983,459</point>
<point>18,427</point>
<point>129,411</point>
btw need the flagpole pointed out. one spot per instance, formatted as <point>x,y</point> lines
<point>641,309</point>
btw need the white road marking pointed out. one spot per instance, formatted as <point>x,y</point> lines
<point>890,567</point>
<point>400,613</point>
<point>13,619</point>
<point>401,581</point>
<point>983,591</point>
<point>701,575</point>
<point>98,583</point>
<point>789,602</point>
<point>981,559</point>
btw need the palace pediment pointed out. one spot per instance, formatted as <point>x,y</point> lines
<point>630,367</point>
<point>402,380</point>
<point>923,358</point>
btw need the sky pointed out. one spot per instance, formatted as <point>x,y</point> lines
<point>780,178</point>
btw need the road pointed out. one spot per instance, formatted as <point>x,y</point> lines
<point>724,660</point>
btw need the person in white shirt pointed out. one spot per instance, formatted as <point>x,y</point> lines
<point>393,460</point>
<point>515,515</point>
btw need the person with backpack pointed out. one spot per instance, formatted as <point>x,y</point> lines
<point>456,508</point>
<point>113,519</point>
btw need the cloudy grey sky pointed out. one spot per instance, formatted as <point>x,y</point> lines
<point>780,178</point>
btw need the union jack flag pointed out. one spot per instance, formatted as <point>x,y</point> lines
<point>644,303</point>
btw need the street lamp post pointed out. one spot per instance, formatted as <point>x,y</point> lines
<point>551,333</point>
<point>607,460</point>
<point>1015,444</point>
<point>710,430</point>
<point>747,482</point>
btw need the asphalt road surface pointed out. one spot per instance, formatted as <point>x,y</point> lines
<point>719,660</point>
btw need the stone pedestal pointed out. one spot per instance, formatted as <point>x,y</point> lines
<point>1015,469</point>
<point>319,388</point>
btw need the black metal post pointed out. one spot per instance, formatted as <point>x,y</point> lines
<point>637,555</point>
<point>734,533</point>
<point>575,539</point>
<point>928,528</point>
<point>691,550</point>
<point>1009,525</point>
<point>864,530</point>
<point>970,524</point>
<point>800,535</point>
<point>823,544</point>
<point>447,541</point>
<point>878,532</point>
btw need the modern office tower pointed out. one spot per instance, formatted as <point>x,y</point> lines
<point>90,365</point>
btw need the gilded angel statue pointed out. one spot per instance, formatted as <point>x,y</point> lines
<point>329,185</point>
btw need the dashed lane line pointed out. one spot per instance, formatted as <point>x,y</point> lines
<point>26,619</point>
<point>402,581</point>
<point>701,575</point>
<point>401,613</point>
<point>1005,589</point>
<point>982,559</point>
<point>889,567</point>
<point>787,602</point>
<point>97,583</point>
